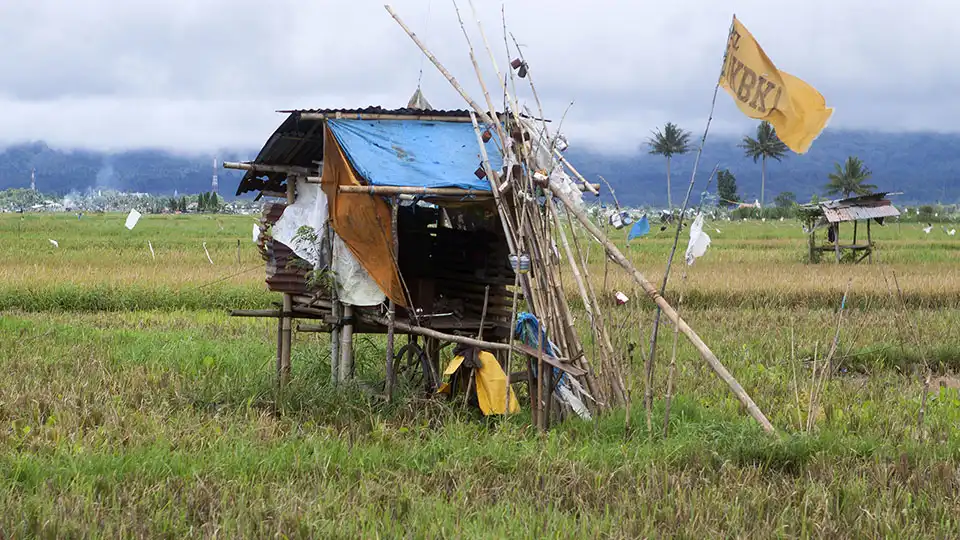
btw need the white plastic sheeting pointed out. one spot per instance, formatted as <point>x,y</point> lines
<point>699,240</point>
<point>132,218</point>
<point>354,284</point>
<point>310,209</point>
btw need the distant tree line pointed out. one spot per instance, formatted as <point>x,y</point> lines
<point>847,179</point>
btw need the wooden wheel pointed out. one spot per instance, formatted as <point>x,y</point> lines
<point>414,366</point>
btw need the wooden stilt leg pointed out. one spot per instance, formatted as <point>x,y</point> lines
<point>286,335</point>
<point>836,240</point>
<point>279,365</point>
<point>346,345</point>
<point>392,309</point>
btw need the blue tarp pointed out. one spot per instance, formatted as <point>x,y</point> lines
<point>640,228</point>
<point>415,153</point>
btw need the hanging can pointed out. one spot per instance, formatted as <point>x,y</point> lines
<point>521,263</point>
<point>616,220</point>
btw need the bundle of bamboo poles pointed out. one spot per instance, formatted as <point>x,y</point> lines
<point>535,173</point>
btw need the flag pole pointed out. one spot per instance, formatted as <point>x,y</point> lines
<point>649,365</point>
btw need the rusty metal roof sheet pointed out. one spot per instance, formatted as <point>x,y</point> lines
<point>854,213</point>
<point>873,206</point>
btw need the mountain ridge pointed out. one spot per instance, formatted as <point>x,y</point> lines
<point>924,166</point>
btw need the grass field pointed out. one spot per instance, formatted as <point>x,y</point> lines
<point>132,405</point>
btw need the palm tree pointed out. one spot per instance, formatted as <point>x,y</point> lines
<point>850,178</point>
<point>672,141</point>
<point>766,145</point>
<point>727,187</point>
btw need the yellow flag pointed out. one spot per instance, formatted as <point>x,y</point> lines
<point>795,109</point>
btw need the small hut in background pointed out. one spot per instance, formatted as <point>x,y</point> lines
<point>828,215</point>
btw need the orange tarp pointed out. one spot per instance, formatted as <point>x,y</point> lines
<point>361,220</point>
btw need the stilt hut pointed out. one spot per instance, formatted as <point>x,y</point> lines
<point>383,222</point>
<point>828,215</point>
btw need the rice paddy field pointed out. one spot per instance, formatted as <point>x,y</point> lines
<point>133,405</point>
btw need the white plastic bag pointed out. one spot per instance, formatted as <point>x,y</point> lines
<point>699,240</point>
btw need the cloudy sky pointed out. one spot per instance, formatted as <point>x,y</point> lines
<point>198,75</point>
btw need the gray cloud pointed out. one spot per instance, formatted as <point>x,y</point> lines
<point>196,75</point>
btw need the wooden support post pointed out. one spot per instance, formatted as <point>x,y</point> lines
<point>533,390</point>
<point>813,243</point>
<point>541,376</point>
<point>337,312</point>
<point>431,348</point>
<point>855,232</point>
<point>286,333</point>
<point>286,322</point>
<point>547,395</point>
<point>391,308</point>
<point>346,344</point>
<point>869,244</point>
<point>279,365</point>
<point>238,252</point>
<point>836,240</point>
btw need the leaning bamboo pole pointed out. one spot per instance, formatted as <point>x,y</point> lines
<point>602,338</point>
<point>612,250</point>
<point>667,310</point>
<point>581,288</point>
<point>433,59</point>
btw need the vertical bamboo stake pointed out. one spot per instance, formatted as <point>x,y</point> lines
<point>796,381</point>
<point>649,367</point>
<point>238,252</point>
<point>916,335</point>
<point>672,370</point>
<point>671,373</point>
<point>152,254</point>
<point>601,342</point>
<point>391,307</point>
<point>541,370</point>
<point>813,386</point>
<point>581,287</point>
<point>483,313</point>
<point>337,311</point>
<point>651,360</point>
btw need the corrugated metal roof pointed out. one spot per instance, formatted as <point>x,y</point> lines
<point>453,113</point>
<point>854,213</point>
<point>871,206</point>
<point>299,142</point>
